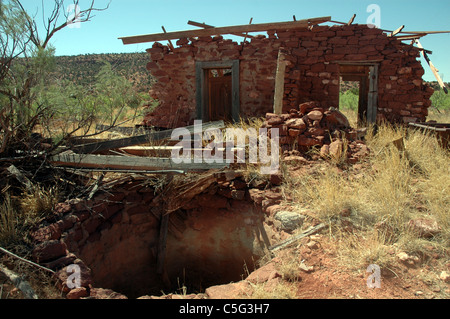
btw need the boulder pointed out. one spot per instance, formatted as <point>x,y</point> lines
<point>296,123</point>
<point>231,291</point>
<point>264,274</point>
<point>315,115</point>
<point>335,119</point>
<point>336,149</point>
<point>49,250</point>
<point>289,221</point>
<point>424,227</point>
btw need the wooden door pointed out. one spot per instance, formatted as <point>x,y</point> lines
<point>220,97</point>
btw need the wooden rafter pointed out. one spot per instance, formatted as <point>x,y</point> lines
<point>432,67</point>
<point>129,163</point>
<point>207,26</point>
<point>224,30</point>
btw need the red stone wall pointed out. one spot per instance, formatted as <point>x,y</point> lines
<point>312,75</point>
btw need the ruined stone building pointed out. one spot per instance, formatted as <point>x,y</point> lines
<point>211,78</point>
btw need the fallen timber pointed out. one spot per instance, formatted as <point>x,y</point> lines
<point>129,163</point>
<point>139,139</point>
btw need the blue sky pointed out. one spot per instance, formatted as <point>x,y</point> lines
<point>135,17</point>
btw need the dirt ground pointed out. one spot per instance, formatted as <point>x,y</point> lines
<point>402,281</point>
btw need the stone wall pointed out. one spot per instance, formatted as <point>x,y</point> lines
<point>114,238</point>
<point>312,74</point>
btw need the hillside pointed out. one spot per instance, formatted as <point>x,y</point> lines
<point>82,69</point>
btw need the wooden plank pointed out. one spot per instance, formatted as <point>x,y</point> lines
<point>279,83</point>
<point>207,26</point>
<point>373,94</point>
<point>223,30</point>
<point>139,139</point>
<point>432,67</point>
<point>170,42</point>
<point>395,32</point>
<point>409,37</point>
<point>19,282</point>
<point>128,162</point>
<point>293,239</point>
<point>352,20</point>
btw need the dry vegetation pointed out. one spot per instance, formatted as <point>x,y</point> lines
<point>378,197</point>
<point>367,205</point>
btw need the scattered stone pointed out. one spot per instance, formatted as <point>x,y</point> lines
<point>49,250</point>
<point>264,274</point>
<point>444,276</point>
<point>229,291</point>
<point>336,149</point>
<point>315,115</point>
<point>101,293</point>
<point>403,256</point>
<point>312,244</point>
<point>296,123</point>
<point>290,221</point>
<point>424,227</point>
<point>77,293</point>
<point>306,268</point>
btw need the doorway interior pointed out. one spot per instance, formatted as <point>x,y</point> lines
<point>362,78</point>
<point>217,91</point>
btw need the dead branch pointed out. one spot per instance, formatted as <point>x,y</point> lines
<point>20,283</point>
<point>3,250</point>
<point>296,238</point>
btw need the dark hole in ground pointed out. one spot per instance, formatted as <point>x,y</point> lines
<point>205,246</point>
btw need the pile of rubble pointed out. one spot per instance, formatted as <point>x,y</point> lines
<point>312,126</point>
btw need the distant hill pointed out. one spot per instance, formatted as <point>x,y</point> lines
<point>82,69</point>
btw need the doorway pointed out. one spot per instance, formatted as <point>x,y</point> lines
<point>218,91</point>
<point>362,80</point>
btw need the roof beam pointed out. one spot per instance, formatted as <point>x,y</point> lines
<point>223,30</point>
<point>207,26</point>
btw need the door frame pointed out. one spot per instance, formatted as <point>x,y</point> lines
<point>372,98</point>
<point>202,99</point>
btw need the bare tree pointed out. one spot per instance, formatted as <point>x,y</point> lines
<point>21,42</point>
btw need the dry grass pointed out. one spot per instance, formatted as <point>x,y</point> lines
<point>272,290</point>
<point>394,186</point>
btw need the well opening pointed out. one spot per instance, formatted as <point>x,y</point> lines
<point>211,240</point>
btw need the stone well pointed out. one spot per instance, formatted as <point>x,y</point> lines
<point>216,237</point>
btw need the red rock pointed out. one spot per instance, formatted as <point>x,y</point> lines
<point>335,119</point>
<point>276,179</point>
<point>62,208</point>
<point>294,132</point>
<point>315,115</point>
<point>231,291</point>
<point>307,141</point>
<point>296,123</point>
<point>264,274</point>
<point>308,106</point>
<point>49,250</point>
<point>101,293</point>
<point>77,293</point>
<point>63,275</point>
<point>325,151</point>
<point>424,227</point>
<point>336,149</point>
<point>50,232</point>
<point>273,119</point>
